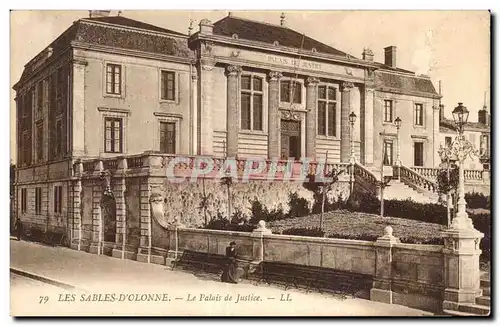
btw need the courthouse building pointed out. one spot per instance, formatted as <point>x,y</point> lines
<point>111,86</point>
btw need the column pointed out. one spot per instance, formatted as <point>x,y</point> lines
<point>76,129</point>
<point>233,74</point>
<point>273,115</point>
<point>381,290</point>
<point>345,137</point>
<point>97,236</point>
<point>311,116</point>
<point>368,126</point>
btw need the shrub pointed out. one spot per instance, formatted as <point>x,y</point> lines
<point>482,223</point>
<point>221,223</point>
<point>307,232</point>
<point>354,236</point>
<point>260,212</point>
<point>477,200</point>
<point>298,206</point>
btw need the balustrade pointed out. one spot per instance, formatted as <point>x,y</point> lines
<point>410,176</point>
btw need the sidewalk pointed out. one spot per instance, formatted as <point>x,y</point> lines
<point>95,276</point>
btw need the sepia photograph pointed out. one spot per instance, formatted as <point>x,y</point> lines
<point>253,163</point>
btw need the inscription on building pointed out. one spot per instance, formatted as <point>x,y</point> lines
<point>293,62</point>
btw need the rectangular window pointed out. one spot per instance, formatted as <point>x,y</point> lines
<point>419,114</point>
<point>38,201</point>
<point>167,137</point>
<point>297,92</point>
<point>58,138</point>
<point>388,152</point>
<point>26,148</point>
<point>58,199</point>
<point>418,148</point>
<point>251,103</point>
<point>447,141</point>
<point>388,107</point>
<point>24,200</point>
<point>39,142</point>
<point>113,79</point>
<point>168,85</point>
<point>113,142</point>
<point>484,146</point>
<point>39,96</point>
<point>327,111</point>
<point>285,91</point>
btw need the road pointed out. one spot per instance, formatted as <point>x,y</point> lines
<point>110,286</point>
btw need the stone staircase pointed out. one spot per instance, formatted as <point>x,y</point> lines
<point>400,191</point>
<point>480,308</point>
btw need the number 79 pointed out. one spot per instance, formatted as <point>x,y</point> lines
<point>43,299</point>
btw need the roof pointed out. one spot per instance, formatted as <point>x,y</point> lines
<point>90,31</point>
<point>448,125</point>
<point>127,22</point>
<point>269,33</point>
<point>404,83</point>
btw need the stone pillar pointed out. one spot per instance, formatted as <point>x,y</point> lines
<point>76,131</point>
<point>274,115</point>
<point>97,232</point>
<point>76,210</point>
<point>368,126</point>
<point>233,74</point>
<point>258,246</point>
<point>382,288</point>
<point>121,213</point>
<point>461,267</point>
<point>345,107</point>
<point>311,116</point>
<point>144,251</point>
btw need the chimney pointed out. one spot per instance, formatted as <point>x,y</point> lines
<point>99,13</point>
<point>390,56</point>
<point>441,113</point>
<point>206,27</point>
<point>367,54</point>
<point>282,22</point>
<point>482,116</point>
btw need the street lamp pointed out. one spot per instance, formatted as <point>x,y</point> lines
<point>460,115</point>
<point>352,120</point>
<point>461,148</point>
<point>398,151</point>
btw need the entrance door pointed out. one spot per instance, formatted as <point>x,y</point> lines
<point>418,155</point>
<point>108,211</point>
<point>290,139</point>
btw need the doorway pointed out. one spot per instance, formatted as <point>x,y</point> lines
<point>290,139</point>
<point>418,154</point>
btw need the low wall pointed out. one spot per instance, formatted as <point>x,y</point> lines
<point>413,274</point>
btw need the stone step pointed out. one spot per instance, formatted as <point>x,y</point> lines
<point>474,309</point>
<point>457,313</point>
<point>483,300</point>
<point>485,283</point>
<point>486,291</point>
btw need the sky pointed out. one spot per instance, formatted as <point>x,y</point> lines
<point>448,46</point>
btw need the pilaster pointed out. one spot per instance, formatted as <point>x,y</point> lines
<point>194,113</point>
<point>77,127</point>
<point>345,135</point>
<point>311,116</point>
<point>233,73</point>
<point>435,135</point>
<point>76,200</point>
<point>206,85</point>
<point>274,115</point>
<point>368,126</point>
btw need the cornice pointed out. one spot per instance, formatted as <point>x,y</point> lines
<point>410,93</point>
<point>283,50</point>
<point>133,53</point>
<point>129,28</point>
<point>301,71</point>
